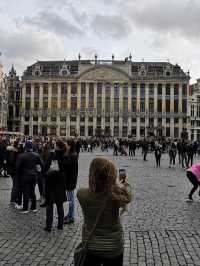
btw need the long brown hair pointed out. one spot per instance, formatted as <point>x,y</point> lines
<point>103,179</point>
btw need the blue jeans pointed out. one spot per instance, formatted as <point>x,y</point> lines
<point>70,198</point>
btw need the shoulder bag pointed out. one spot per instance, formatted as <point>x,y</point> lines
<point>81,250</point>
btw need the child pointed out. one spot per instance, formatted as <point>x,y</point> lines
<point>54,193</point>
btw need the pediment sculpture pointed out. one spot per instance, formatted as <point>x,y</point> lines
<point>104,74</point>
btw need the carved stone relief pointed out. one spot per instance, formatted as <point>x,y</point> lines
<point>104,74</point>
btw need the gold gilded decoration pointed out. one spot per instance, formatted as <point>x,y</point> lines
<point>104,74</point>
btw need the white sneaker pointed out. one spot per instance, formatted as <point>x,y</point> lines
<point>18,207</point>
<point>23,212</point>
<point>34,210</point>
<point>189,200</point>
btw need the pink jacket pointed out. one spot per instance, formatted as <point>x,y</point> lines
<point>195,169</point>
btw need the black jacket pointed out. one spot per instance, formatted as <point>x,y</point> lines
<point>55,187</point>
<point>26,165</point>
<point>68,165</point>
<point>12,155</point>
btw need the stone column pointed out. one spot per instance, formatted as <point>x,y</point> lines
<point>195,134</point>
<point>103,106</point>
<point>180,97</point>
<point>95,110</point>
<point>40,108</point>
<point>86,107</point>
<point>146,108</point>
<point>58,110</point>
<point>68,107</point>
<point>23,106</point>
<point>68,124</point>
<point>156,106</point>
<point>138,112</point>
<point>112,109</point>
<point>49,107</point>
<point>120,109</point>
<point>163,108</point>
<point>31,111</point>
<point>78,108</point>
<point>129,108</point>
<point>172,111</point>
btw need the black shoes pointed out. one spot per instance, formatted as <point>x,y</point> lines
<point>43,205</point>
<point>47,229</point>
<point>68,221</point>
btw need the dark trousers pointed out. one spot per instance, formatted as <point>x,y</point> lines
<point>184,160</point>
<point>40,182</point>
<point>28,189</point>
<point>49,215</point>
<point>16,193</point>
<point>190,160</point>
<point>179,157</point>
<point>145,155</point>
<point>115,151</point>
<point>94,260</point>
<point>194,182</point>
<point>158,160</point>
<point>172,159</point>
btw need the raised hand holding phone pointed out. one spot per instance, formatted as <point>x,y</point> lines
<point>122,175</point>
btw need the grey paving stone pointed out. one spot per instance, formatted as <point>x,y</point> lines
<point>160,227</point>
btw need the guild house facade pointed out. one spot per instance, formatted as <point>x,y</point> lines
<point>14,101</point>
<point>194,110</point>
<point>104,98</point>
<point>3,100</point>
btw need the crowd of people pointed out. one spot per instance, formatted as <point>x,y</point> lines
<point>52,164</point>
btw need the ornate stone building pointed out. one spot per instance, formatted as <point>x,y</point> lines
<point>14,101</point>
<point>104,97</point>
<point>194,110</point>
<point>3,100</point>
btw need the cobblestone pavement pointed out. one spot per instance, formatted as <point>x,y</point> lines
<point>160,227</point>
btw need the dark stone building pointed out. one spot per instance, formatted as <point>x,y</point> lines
<point>14,101</point>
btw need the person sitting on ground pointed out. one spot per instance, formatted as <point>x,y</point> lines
<point>106,244</point>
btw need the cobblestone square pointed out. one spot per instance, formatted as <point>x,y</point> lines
<point>160,227</point>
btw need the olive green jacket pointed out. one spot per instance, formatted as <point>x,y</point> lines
<point>107,240</point>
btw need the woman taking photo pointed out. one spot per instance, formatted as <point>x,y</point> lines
<point>105,246</point>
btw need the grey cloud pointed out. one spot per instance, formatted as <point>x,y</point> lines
<point>110,26</point>
<point>53,3</point>
<point>167,16</point>
<point>26,45</point>
<point>53,22</point>
<point>88,51</point>
<point>80,17</point>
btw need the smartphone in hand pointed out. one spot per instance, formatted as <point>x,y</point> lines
<point>122,175</point>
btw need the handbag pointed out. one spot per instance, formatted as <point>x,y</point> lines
<point>81,250</point>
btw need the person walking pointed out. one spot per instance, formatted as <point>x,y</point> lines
<point>172,154</point>
<point>190,154</point>
<point>158,153</point>
<point>184,154</point>
<point>193,174</point>
<point>26,170</point>
<point>106,244</point>
<point>145,147</point>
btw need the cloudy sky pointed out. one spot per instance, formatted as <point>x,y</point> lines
<point>153,30</point>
